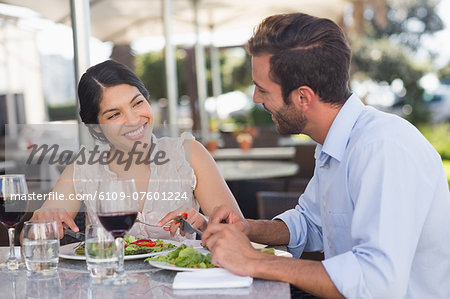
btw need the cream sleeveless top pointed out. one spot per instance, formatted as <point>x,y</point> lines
<point>170,187</point>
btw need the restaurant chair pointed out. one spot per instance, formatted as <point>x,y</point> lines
<point>304,158</point>
<point>272,203</point>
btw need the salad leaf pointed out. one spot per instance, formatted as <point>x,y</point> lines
<point>132,249</point>
<point>185,256</point>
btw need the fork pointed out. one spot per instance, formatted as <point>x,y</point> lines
<point>152,225</point>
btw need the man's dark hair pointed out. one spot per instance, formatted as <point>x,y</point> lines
<point>90,89</point>
<point>305,50</point>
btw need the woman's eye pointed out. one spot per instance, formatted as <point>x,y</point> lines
<point>113,115</point>
<point>138,103</point>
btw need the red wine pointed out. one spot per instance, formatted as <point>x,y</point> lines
<point>9,219</point>
<point>118,223</point>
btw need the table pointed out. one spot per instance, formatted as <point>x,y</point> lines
<point>236,170</point>
<point>262,153</point>
<point>5,165</point>
<point>72,281</point>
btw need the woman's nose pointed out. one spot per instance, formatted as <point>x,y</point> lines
<point>132,118</point>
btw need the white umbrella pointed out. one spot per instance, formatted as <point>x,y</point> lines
<point>124,21</point>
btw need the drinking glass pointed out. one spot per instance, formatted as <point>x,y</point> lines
<point>48,287</point>
<point>101,253</point>
<point>40,246</point>
<point>117,209</point>
<point>12,209</point>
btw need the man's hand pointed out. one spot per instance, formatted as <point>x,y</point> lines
<point>224,214</point>
<point>230,248</point>
<point>59,215</point>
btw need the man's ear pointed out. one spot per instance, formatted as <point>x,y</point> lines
<point>304,97</point>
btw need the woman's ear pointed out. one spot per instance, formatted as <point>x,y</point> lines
<point>97,129</point>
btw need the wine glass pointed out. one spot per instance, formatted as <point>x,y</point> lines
<point>117,209</point>
<point>12,209</point>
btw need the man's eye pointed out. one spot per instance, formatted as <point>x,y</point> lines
<point>261,90</point>
<point>113,115</point>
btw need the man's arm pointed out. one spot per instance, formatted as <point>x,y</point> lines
<point>224,239</point>
<point>270,232</point>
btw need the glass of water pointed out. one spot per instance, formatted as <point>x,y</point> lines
<point>40,246</point>
<point>101,253</point>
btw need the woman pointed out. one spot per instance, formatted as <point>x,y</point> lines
<point>114,105</point>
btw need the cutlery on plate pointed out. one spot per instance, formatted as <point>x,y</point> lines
<point>78,235</point>
<point>152,225</point>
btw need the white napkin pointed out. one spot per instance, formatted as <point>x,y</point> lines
<point>209,279</point>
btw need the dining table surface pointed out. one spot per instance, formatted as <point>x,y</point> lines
<point>256,153</point>
<point>73,281</point>
<point>237,170</point>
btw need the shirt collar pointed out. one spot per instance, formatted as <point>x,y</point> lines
<point>341,128</point>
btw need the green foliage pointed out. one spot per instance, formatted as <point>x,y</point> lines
<point>260,116</point>
<point>439,137</point>
<point>241,75</point>
<point>62,112</point>
<point>150,68</point>
<point>447,169</point>
<point>444,72</point>
<point>404,14</point>
<point>381,60</point>
<point>385,53</point>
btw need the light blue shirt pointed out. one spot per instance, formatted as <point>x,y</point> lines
<point>378,205</point>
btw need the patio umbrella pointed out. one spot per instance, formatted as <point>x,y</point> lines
<point>122,22</point>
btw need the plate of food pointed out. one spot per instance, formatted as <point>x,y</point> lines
<point>136,248</point>
<point>190,258</point>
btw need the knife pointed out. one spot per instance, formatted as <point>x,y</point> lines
<point>78,235</point>
<point>188,228</point>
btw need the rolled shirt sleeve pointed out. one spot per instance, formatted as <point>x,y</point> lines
<point>303,223</point>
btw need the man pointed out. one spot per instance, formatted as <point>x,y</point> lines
<point>378,204</point>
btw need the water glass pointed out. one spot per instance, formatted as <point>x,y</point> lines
<point>40,246</point>
<point>43,287</point>
<point>101,253</point>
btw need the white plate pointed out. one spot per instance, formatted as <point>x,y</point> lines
<point>68,252</point>
<point>167,266</point>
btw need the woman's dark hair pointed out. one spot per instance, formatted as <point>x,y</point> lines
<point>90,89</point>
<point>305,50</point>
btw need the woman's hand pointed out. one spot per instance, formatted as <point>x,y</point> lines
<point>62,218</point>
<point>193,217</point>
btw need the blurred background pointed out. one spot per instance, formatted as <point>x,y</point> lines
<point>190,55</point>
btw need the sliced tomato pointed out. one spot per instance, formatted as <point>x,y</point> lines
<point>144,243</point>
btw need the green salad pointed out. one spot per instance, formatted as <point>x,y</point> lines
<point>187,257</point>
<point>133,246</point>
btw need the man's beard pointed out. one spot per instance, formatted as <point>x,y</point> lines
<point>289,121</point>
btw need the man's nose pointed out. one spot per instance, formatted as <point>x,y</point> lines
<point>256,100</point>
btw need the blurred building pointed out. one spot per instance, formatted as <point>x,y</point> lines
<point>21,93</point>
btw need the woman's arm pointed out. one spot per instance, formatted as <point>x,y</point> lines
<point>211,190</point>
<point>61,209</point>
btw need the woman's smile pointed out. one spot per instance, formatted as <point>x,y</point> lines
<point>136,134</point>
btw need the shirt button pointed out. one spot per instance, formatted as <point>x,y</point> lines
<point>323,204</point>
<point>329,244</point>
<point>326,166</point>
